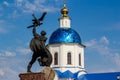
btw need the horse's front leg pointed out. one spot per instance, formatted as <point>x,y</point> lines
<point>34,57</point>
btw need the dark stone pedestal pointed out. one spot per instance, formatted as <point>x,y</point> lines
<point>32,76</point>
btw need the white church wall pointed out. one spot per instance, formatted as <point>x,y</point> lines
<point>53,49</point>
<point>80,50</point>
<point>63,49</point>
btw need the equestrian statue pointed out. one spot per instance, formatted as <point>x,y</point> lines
<point>37,45</point>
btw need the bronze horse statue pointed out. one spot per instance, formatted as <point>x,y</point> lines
<point>38,47</point>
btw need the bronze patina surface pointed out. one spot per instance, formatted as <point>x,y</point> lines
<point>37,45</point>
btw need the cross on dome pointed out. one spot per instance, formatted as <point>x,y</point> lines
<point>64,10</point>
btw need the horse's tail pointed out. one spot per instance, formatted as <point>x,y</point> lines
<point>49,61</point>
<point>46,58</point>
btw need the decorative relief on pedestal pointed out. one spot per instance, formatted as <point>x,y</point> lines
<point>49,73</point>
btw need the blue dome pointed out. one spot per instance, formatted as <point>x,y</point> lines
<point>63,35</point>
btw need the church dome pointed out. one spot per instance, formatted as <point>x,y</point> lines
<point>64,35</point>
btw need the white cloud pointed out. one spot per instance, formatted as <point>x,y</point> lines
<point>11,65</point>
<point>24,50</point>
<point>1,72</point>
<point>18,3</point>
<point>7,53</point>
<point>104,40</point>
<point>91,43</point>
<point>8,73</point>
<point>39,1</point>
<point>6,3</point>
<point>102,47</point>
<point>116,58</point>
<point>17,7</point>
<point>94,42</point>
<point>34,6</point>
<point>4,28</point>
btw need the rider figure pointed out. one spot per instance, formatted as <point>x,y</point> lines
<point>37,45</point>
<point>40,44</point>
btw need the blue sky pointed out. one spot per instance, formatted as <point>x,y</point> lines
<point>96,21</point>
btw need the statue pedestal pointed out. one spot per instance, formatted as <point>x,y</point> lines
<point>49,73</point>
<point>46,74</point>
<point>32,76</point>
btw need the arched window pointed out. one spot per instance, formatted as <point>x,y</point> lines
<point>79,59</point>
<point>56,58</point>
<point>69,58</point>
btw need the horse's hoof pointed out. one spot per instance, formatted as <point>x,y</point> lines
<point>29,71</point>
